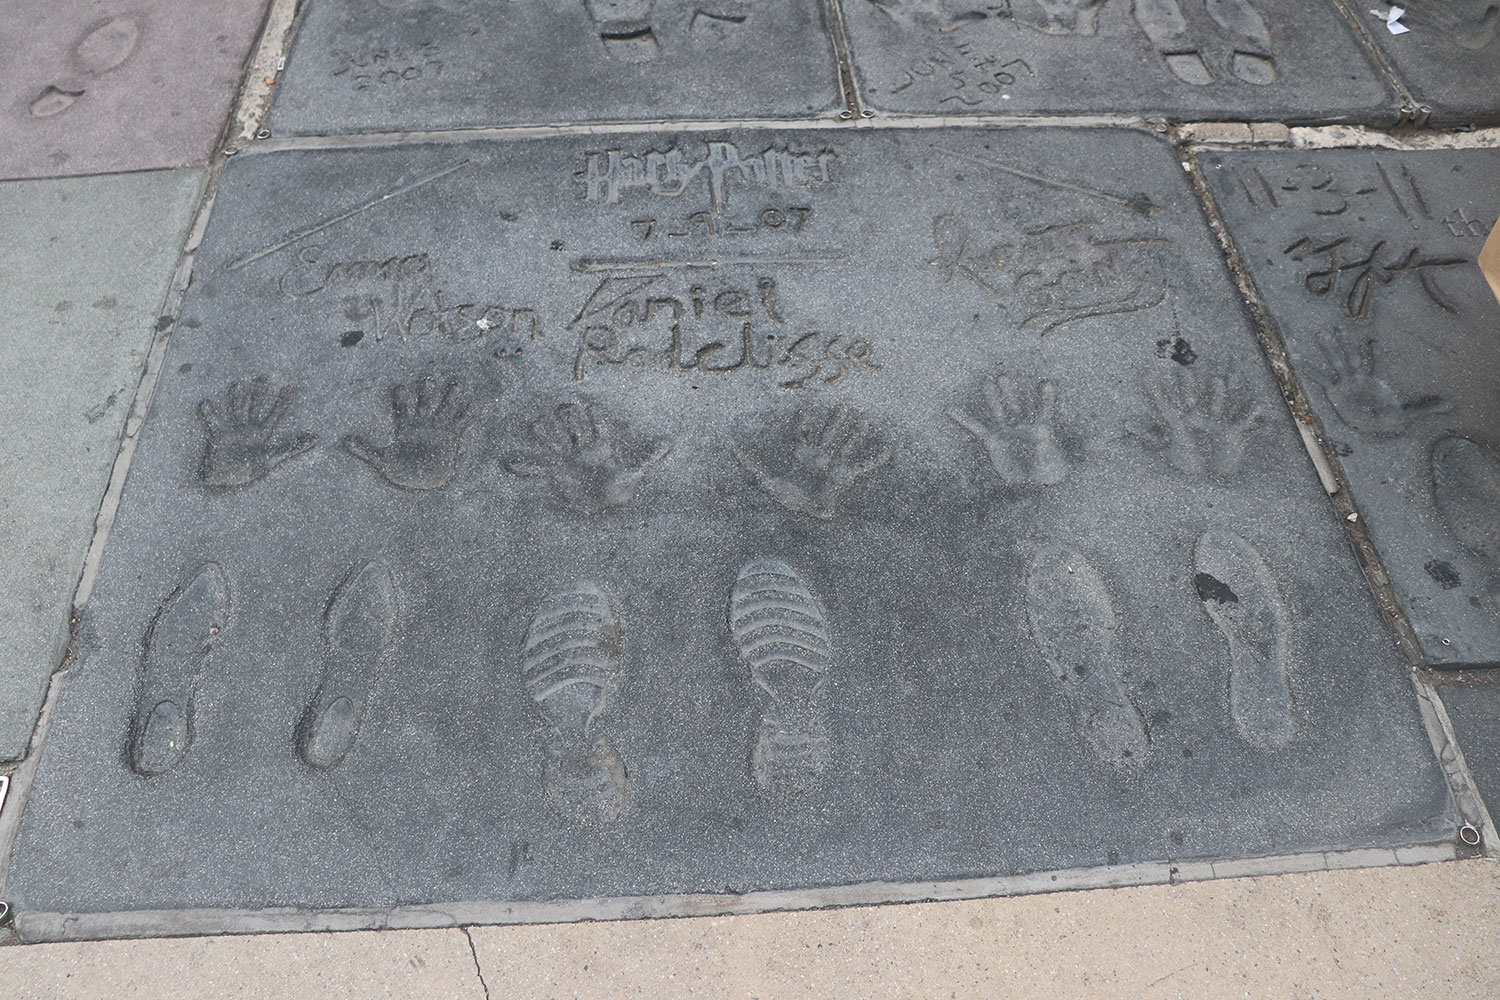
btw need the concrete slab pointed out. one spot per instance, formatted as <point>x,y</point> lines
<point>87,263</point>
<point>1279,60</point>
<point>396,65</point>
<point>1366,260</point>
<point>1382,934</point>
<point>1474,708</point>
<point>392,964</point>
<point>706,513</point>
<point>1449,58</point>
<point>117,85</point>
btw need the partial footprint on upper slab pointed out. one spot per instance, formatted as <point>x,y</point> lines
<point>1185,55</point>
<point>359,637</point>
<point>1241,596</point>
<point>176,646</point>
<point>781,633</point>
<point>1072,618</point>
<point>1466,486</point>
<point>570,664</point>
<point>109,45</point>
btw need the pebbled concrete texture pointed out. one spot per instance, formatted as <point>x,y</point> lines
<point>1279,60</point>
<point>394,65</point>
<point>88,262</point>
<point>1004,556</point>
<point>393,964</point>
<point>1366,261</point>
<point>1378,934</point>
<point>118,85</point>
<point>1448,59</point>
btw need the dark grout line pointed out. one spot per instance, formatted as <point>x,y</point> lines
<point>1411,112</point>
<point>834,12</point>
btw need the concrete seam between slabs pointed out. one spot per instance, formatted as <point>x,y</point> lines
<point>41,927</point>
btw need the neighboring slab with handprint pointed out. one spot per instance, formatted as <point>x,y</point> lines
<point>771,510</point>
<point>102,88</point>
<point>394,65</point>
<point>1449,58</point>
<point>1366,260</point>
<point>1278,60</point>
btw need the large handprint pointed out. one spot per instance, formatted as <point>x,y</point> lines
<point>427,426</point>
<point>590,460</point>
<point>1019,439</point>
<point>1201,423</point>
<point>1363,401</point>
<point>244,438</point>
<point>829,455</point>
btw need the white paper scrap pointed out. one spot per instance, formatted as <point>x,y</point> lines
<point>1392,19</point>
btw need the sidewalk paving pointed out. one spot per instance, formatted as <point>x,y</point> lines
<point>1377,934</point>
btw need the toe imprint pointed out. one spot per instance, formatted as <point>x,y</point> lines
<point>1072,619</point>
<point>570,663</point>
<point>1241,596</point>
<point>359,638</point>
<point>1466,486</point>
<point>177,645</point>
<point>782,635</point>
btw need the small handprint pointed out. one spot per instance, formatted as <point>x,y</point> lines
<point>1020,439</point>
<point>1200,422</point>
<point>1363,401</point>
<point>590,460</point>
<point>244,438</point>
<point>828,456</point>
<point>427,426</point>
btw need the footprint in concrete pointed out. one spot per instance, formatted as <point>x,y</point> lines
<point>782,635</point>
<point>359,636</point>
<point>1241,596</point>
<point>570,664</point>
<point>243,434</point>
<point>1466,485</point>
<point>1184,53</point>
<point>427,426</point>
<point>176,646</point>
<point>1072,618</point>
<point>105,47</point>
<point>625,29</point>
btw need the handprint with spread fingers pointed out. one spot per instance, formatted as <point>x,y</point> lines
<point>829,453</point>
<point>243,434</point>
<point>590,460</point>
<point>1365,402</point>
<point>1020,438</point>
<point>1201,422</point>
<point>428,422</point>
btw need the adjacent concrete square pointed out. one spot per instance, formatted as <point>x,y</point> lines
<point>1276,60</point>
<point>87,264</point>
<point>1449,59</point>
<point>1474,709</point>
<point>115,85</point>
<point>715,512</point>
<point>394,65</point>
<point>1366,260</point>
